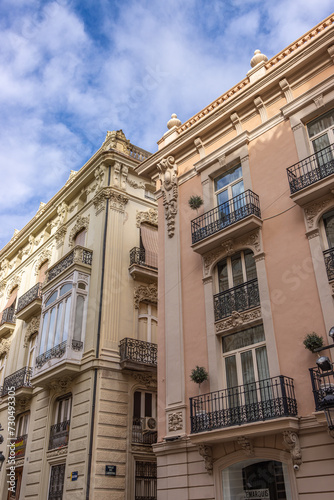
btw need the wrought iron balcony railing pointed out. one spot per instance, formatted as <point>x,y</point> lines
<point>312,169</point>
<point>8,316</point>
<point>78,255</point>
<point>138,351</point>
<point>329,263</point>
<point>225,215</point>
<point>20,446</point>
<point>238,298</point>
<point>55,352</point>
<point>263,400</point>
<point>20,378</point>
<point>322,386</point>
<point>138,256</point>
<point>59,434</point>
<point>34,293</point>
<point>139,434</point>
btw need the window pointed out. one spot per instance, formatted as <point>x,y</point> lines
<point>146,481</point>
<point>21,430</point>
<point>227,186</point>
<point>328,221</point>
<point>9,307</point>
<point>42,271</point>
<point>321,131</point>
<point>147,321</point>
<point>80,238</point>
<point>32,350</point>
<point>235,270</point>
<point>149,244</point>
<point>59,431</point>
<point>144,418</point>
<point>56,485</point>
<point>3,360</point>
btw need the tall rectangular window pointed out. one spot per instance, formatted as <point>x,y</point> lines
<point>56,486</point>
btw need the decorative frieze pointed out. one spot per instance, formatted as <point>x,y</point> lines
<point>206,452</point>
<point>145,379</point>
<point>135,184</point>
<point>147,293</point>
<point>150,216</point>
<point>238,320</point>
<point>169,188</point>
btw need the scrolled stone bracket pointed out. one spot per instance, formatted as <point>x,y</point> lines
<point>291,441</point>
<point>206,452</point>
<point>169,188</point>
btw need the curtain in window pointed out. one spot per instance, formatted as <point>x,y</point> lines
<point>80,238</point>
<point>41,272</point>
<point>149,236</point>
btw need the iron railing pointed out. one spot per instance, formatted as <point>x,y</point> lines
<point>238,298</point>
<point>329,263</point>
<point>78,255</point>
<point>59,434</point>
<point>322,386</point>
<point>55,352</point>
<point>138,256</point>
<point>138,351</point>
<point>20,378</point>
<point>8,316</point>
<point>146,481</point>
<point>34,293</point>
<point>311,169</point>
<point>77,345</point>
<point>139,434</point>
<point>20,446</point>
<point>225,215</point>
<point>263,400</point>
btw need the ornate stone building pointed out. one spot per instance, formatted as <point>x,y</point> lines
<point>78,297</point>
<point>244,278</point>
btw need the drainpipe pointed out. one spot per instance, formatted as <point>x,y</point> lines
<point>90,453</point>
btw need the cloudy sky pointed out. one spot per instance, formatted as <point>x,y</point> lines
<point>72,69</point>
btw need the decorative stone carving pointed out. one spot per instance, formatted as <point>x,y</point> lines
<point>62,211</point>
<point>14,282</point>
<point>238,319</point>
<point>99,176</point>
<point>2,287</point>
<point>312,212</point>
<point>145,379</point>
<point>175,421</point>
<point>3,267</point>
<point>252,240</point>
<point>4,346</point>
<point>246,445</point>
<point>61,385</point>
<point>150,216</point>
<point>45,255</point>
<point>32,327</point>
<point>80,224</point>
<point>319,101</point>
<point>148,293</point>
<point>117,201</point>
<point>237,123</point>
<point>83,277</point>
<point>59,452</point>
<point>99,201</point>
<point>60,236</point>
<point>135,184</point>
<point>223,251</point>
<point>169,188</point>
<point>124,177</point>
<point>206,452</point>
<point>284,84</point>
<point>291,441</point>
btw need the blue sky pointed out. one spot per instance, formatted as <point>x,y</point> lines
<point>72,69</point>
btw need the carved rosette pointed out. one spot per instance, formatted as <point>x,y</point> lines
<point>45,255</point>
<point>206,452</point>
<point>147,293</point>
<point>80,224</point>
<point>175,421</point>
<point>145,379</point>
<point>150,216</point>
<point>237,320</point>
<point>32,327</point>
<point>169,188</point>
<point>291,441</point>
<point>5,346</point>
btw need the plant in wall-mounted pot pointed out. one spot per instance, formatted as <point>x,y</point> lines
<point>195,202</point>
<point>199,375</point>
<point>313,341</point>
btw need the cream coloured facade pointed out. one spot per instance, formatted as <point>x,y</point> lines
<point>244,279</point>
<point>78,302</point>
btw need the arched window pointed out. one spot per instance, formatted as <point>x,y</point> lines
<point>80,238</point>
<point>42,271</point>
<point>235,270</point>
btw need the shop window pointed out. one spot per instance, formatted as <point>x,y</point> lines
<point>257,480</point>
<point>147,322</point>
<point>56,486</point>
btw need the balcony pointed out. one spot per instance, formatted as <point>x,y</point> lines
<point>231,219</point>
<point>138,355</point>
<point>7,321</point>
<point>20,380</point>
<point>251,403</point>
<point>143,267</point>
<point>59,434</point>
<point>61,360</point>
<point>312,177</point>
<point>329,263</point>
<point>141,434</point>
<point>239,298</point>
<point>20,446</point>
<point>30,303</point>
<point>79,258</point>
<point>322,386</point>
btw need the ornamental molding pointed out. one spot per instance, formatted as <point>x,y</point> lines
<point>32,328</point>
<point>206,452</point>
<point>150,216</point>
<point>60,236</point>
<point>291,441</point>
<point>238,319</point>
<point>14,282</point>
<point>5,346</point>
<point>59,452</point>
<point>44,256</point>
<point>314,211</point>
<point>145,379</point>
<point>169,188</point>
<point>2,287</point>
<point>99,200</point>
<point>246,445</point>
<point>99,174</point>
<point>117,201</point>
<point>135,184</point>
<point>148,293</point>
<point>62,211</point>
<point>61,385</point>
<point>80,224</point>
<point>175,421</point>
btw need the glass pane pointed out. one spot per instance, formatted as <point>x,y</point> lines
<point>137,404</point>
<point>50,343</point>
<point>238,278</point>
<point>148,404</point>
<point>329,227</point>
<point>67,319</point>
<point>262,362</point>
<point>59,323</point>
<point>237,188</point>
<point>222,197</point>
<point>222,276</point>
<point>319,124</point>
<point>52,298</point>
<point>65,288</point>
<point>42,348</point>
<point>248,377</point>
<point>250,265</point>
<point>243,339</point>
<point>231,175</point>
<point>320,143</point>
<point>231,371</point>
<point>78,317</point>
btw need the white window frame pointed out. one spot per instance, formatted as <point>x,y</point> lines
<point>229,269</point>
<point>229,186</point>
<point>150,318</point>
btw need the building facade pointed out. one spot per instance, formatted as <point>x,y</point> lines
<point>243,278</point>
<point>78,329</point>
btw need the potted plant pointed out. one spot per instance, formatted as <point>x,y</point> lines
<point>313,341</point>
<point>195,202</point>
